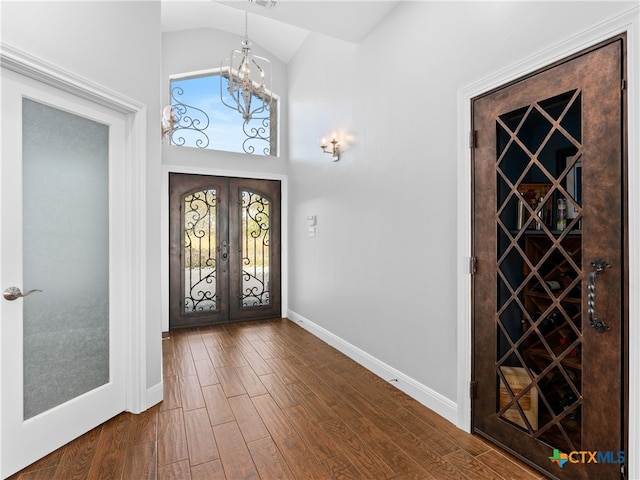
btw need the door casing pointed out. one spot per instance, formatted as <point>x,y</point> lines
<point>164,226</point>
<point>37,69</point>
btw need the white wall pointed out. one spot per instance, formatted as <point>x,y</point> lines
<point>381,273</point>
<point>117,45</point>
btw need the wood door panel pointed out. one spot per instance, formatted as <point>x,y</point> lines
<point>181,186</point>
<point>580,100</point>
<point>246,301</point>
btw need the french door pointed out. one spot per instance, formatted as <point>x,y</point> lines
<point>224,260</point>
<point>64,282</point>
<point>549,311</point>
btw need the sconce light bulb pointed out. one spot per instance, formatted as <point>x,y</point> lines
<point>168,120</point>
<point>334,149</point>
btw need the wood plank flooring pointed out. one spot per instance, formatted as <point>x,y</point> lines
<point>268,401</point>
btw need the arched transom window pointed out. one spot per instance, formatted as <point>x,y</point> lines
<point>201,120</point>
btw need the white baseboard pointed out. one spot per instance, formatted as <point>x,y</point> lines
<point>155,394</point>
<point>421,393</point>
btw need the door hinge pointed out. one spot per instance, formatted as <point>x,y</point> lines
<point>472,389</point>
<point>473,138</point>
<point>623,86</point>
<point>473,265</point>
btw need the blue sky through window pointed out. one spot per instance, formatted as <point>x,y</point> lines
<point>225,129</point>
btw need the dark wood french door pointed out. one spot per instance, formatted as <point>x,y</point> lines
<point>549,295</point>
<point>224,242</point>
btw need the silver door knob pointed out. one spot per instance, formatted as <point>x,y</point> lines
<point>14,293</point>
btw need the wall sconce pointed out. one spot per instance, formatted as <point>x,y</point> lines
<point>334,150</point>
<point>168,121</point>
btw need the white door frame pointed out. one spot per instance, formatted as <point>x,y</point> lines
<point>628,22</point>
<point>28,65</point>
<point>164,226</point>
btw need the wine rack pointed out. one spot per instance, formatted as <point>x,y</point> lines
<point>552,297</point>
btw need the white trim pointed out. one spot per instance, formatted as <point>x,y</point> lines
<point>211,72</point>
<point>628,22</point>
<point>154,395</point>
<point>24,63</point>
<point>136,194</point>
<point>31,66</point>
<point>423,394</point>
<point>164,228</point>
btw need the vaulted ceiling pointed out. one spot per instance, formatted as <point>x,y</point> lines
<point>281,29</point>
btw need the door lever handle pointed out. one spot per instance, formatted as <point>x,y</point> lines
<point>225,250</point>
<point>14,293</point>
<point>596,323</point>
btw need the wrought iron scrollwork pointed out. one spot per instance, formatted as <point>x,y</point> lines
<point>190,123</point>
<point>200,251</point>
<point>191,126</point>
<point>256,134</point>
<point>255,250</point>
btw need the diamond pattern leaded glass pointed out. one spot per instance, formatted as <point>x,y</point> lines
<point>539,322</point>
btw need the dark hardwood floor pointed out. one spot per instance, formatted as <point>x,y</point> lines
<point>267,400</point>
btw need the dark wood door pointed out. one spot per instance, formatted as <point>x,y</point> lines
<point>224,249</point>
<point>548,229</point>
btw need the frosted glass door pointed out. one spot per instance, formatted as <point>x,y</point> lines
<point>66,255</point>
<point>64,233</point>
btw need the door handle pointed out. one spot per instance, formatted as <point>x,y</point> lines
<point>224,250</point>
<point>14,293</point>
<point>596,323</point>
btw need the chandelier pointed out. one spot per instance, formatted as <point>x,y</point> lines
<point>248,92</point>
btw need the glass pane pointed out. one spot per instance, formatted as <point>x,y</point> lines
<point>66,254</point>
<point>255,250</point>
<point>518,397</point>
<point>200,241</point>
<point>203,121</point>
<point>539,258</point>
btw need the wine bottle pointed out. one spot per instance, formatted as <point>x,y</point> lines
<point>565,336</point>
<point>561,221</point>
<point>541,214</point>
<point>558,393</point>
<point>553,285</point>
<point>572,310</point>
<point>548,323</point>
<point>564,279</point>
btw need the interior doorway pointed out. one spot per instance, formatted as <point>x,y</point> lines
<point>224,249</point>
<point>549,171</point>
<point>66,203</point>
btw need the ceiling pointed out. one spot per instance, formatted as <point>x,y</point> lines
<point>281,29</point>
